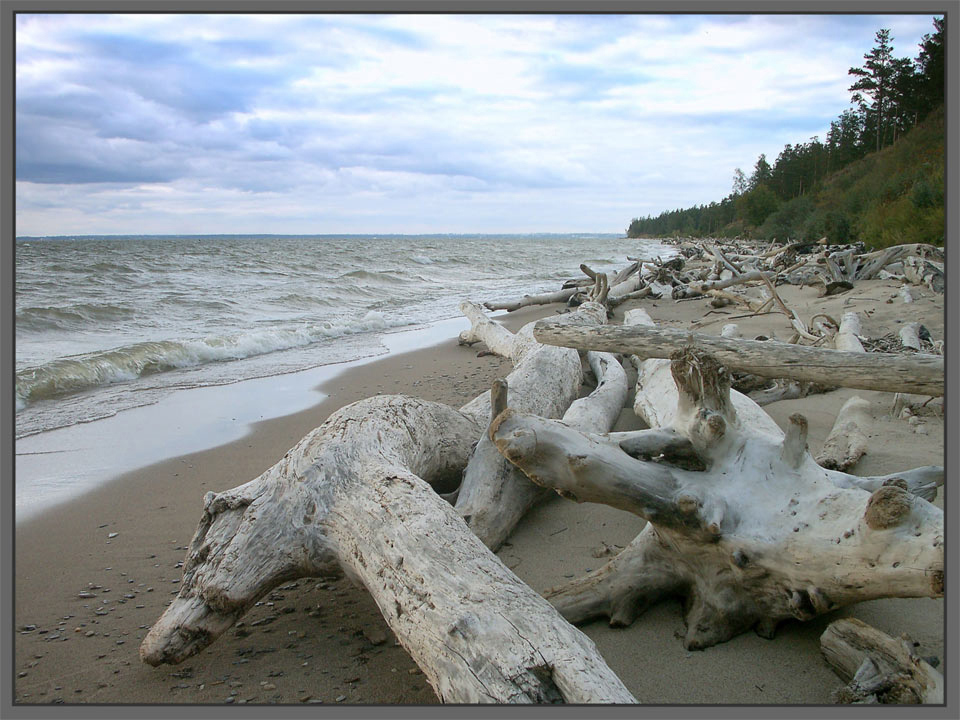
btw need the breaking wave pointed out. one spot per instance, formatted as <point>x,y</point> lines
<point>71,375</point>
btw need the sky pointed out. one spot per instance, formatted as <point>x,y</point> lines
<point>441,123</point>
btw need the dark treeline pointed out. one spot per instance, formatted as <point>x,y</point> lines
<point>890,98</point>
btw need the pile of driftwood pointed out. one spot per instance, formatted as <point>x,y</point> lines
<point>741,520</point>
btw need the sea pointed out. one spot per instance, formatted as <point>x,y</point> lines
<point>107,324</point>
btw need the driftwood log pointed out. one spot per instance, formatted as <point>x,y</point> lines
<point>742,522</point>
<point>878,668</point>
<point>847,441</point>
<point>356,494</point>
<point>917,373</point>
<point>494,495</point>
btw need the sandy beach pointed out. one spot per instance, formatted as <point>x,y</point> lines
<point>94,574</point>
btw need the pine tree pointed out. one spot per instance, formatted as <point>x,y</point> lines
<point>875,81</point>
<point>930,69</point>
<point>761,172</point>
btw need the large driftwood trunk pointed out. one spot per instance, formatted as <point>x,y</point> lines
<point>355,492</point>
<point>742,521</point>
<point>918,373</point>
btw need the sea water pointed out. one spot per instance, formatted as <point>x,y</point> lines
<point>105,325</point>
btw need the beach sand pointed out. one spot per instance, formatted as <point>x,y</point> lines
<point>322,640</point>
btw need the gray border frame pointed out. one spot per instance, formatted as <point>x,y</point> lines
<point>949,8</point>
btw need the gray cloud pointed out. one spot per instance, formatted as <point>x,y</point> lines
<point>292,116</point>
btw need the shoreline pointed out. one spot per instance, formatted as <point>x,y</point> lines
<point>323,640</point>
<point>217,415</point>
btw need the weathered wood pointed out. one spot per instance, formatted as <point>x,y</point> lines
<point>847,441</point>
<point>762,534</point>
<point>494,495</point>
<point>892,372</point>
<point>754,305</point>
<point>355,492</point>
<point>910,336</point>
<point>528,300</point>
<point>613,301</point>
<point>877,667</point>
<point>922,481</point>
<point>795,320</point>
<point>924,272</point>
<point>755,538</point>
<point>847,338</point>
<point>694,289</point>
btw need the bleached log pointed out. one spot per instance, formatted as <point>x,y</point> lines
<point>910,336</point>
<point>875,262</point>
<point>893,372</point>
<point>762,534</point>
<point>694,289</point>
<point>351,495</point>
<point>355,492</point>
<point>924,272</point>
<point>847,441</point>
<point>753,305</point>
<point>621,276</point>
<point>877,667</point>
<point>631,284</point>
<point>718,254</point>
<point>613,301</point>
<point>494,495</point>
<point>497,338</point>
<point>784,389</point>
<point>847,338</point>
<point>560,296</point>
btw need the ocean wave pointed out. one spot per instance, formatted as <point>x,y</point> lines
<point>71,317</point>
<point>67,376</point>
<point>111,267</point>
<point>379,277</point>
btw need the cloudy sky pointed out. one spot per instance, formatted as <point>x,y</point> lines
<point>155,124</point>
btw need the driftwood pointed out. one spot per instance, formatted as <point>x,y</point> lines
<point>528,300</point>
<point>694,289</point>
<point>494,495</point>
<point>760,534</point>
<point>877,667</point>
<point>356,494</point>
<point>846,443</point>
<point>847,338</point>
<point>924,272</point>
<point>917,373</point>
<point>910,336</point>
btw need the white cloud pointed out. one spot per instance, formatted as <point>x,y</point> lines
<point>407,123</point>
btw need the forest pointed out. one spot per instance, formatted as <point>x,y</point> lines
<point>878,177</point>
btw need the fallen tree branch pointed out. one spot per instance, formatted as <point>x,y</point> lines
<point>877,667</point>
<point>916,373</point>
